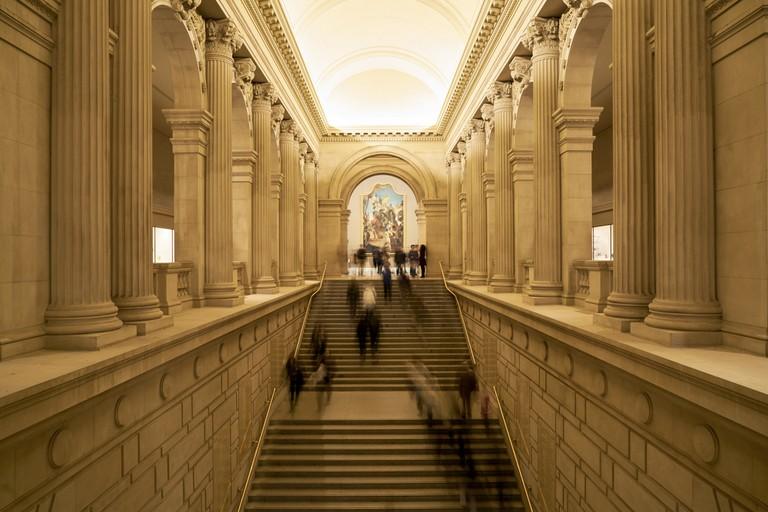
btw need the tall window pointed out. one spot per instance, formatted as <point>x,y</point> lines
<point>162,245</point>
<point>602,242</point>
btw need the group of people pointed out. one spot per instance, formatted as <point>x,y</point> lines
<point>416,259</point>
<point>369,323</point>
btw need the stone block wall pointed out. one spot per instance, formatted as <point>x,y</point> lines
<point>168,429</point>
<point>601,429</point>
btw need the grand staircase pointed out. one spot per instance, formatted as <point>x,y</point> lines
<point>435,336</point>
<point>356,461</point>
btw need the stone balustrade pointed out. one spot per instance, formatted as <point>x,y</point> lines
<point>241,276</point>
<point>527,271</point>
<point>594,280</point>
<point>172,285</point>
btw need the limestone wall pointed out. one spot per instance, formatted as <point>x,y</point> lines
<point>601,427</point>
<point>168,426</point>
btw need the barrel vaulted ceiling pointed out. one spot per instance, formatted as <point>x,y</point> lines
<point>381,64</point>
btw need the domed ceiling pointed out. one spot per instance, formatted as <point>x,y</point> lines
<point>381,64</point>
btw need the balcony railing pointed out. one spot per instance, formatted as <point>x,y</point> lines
<point>594,279</point>
<point>172,283</point>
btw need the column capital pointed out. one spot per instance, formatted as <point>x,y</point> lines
<point>474,126</point>
<point>520,69</point>
<point>289,127</point>
<point>311,158</point>
<point>264,92</point>
<point>222,38</point>
<point>542,36</point>
<point>184,7</point>
<point>498,91</point>
<point>452,158</point>
<point>245,69</point>
<point>303,151</point>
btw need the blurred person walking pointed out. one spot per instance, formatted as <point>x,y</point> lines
<point>467,387</point>
<point>413,260</point>
<point>400,261</point>
<point>295,380</point>
<point>386,279</point>
<point>423,260</point>
<point>353,296</point>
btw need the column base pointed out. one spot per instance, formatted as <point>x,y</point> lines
<point>264,286</point>
<point>146,326</point>
<point>292,280</point>
<point>475,279</point>
<point>501,284</point>
<point>454,273</point>
<point>672,338</point>
<point>311,275</point>
<point>91,341</point>
<point>540,294</point>
<point>224,295</point>
<point>619,324</point>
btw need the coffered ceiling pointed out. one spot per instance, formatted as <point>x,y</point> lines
<point>381,64</point>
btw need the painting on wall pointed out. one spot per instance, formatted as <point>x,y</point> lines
<point>383,219</point>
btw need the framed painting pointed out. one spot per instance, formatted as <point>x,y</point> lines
<point>383,219</point>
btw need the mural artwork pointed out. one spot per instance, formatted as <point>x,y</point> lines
<point>383,219</point>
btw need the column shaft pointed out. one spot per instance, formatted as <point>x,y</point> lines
<point>685,309</point>
<point>243,166</point>
<point>289,205</point>
<point>220,285</point>
<point>633,180</point>
<point>131,167</point>
<point>454,216</point>
<point>547,285</point>
<point>503,279</point>
<point>476,212</point>
<point>311,267</point>
<point>262,280</point>
<point>81,313</point>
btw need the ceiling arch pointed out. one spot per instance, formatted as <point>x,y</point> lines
<point>370,53</point>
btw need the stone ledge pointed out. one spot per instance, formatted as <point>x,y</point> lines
<point>43,383</point>
<point>721,379</point>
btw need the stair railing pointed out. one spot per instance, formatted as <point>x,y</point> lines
<point>461,315</point>
<point>306,311</point>
<point>511,447</point>
<point>259,445</point>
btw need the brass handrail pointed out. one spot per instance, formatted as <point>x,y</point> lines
<point>306,311</point>
<point>256,453</point>
<point>511,447</point>
<point>461,315</point>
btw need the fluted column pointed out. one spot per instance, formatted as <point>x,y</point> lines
<point>289,204</point>
<point>503,278</point>
<point>131,167</point>
<point>461,146</point>
<point>453,163</point>
<point>685,310</point>
<point>262,280</point>
<point>488,178</point>
<point>81,314</point>
<point>633,167</point>
<point>220,287</point>
<point>276,191</point>
<point>311,269</point>
<point>477,273</point>
<point>542,39</point>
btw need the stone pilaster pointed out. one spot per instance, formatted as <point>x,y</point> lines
<point>276,190</point>
<point>262,280</point>
<point>244,165</point>
<point>633,180</point>
<point>477,272</point>
<point>189,142</point>
<point>81,314</point>
<point>329,247</point>
<point>453,163</point>
<point>289,204</point>
<point>503,278</point>
<point>311,268</point>
<point>421,225</point>
<point>542,39</point>
<point>574,127</point>
<point>220,286</point>
<point>344,241</point>
<point>131,168</point>
<point>685,310</point>
<point>521,168</point>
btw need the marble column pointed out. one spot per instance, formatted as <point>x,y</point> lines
<point>311,267</point>
<point>131,168</point>
<point>262,280</point>
<point>477,273</point>
<point>503,278</point>
<point>542,39</point>
<point>189,143</point>
<point>685,310</point>
<point>461,146</point>
<point>276,191</point>
<point>344,241</point>
<point>488,178</point>
<point>300,232</point>
<point>521,168</point>
<point>244,163</point>
<point>289,204</point>
<point>81,314</point>
<point>633,167</point>
<point>220,286</point>
<point>453,163</point>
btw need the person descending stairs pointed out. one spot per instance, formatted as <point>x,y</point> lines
<point>370,448</point>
